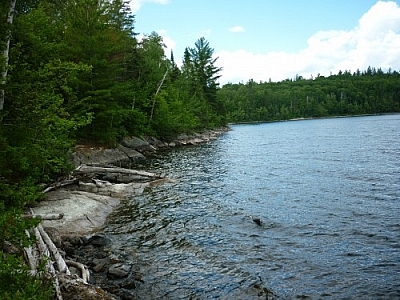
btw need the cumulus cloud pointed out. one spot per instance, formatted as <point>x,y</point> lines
<point>168,41</point>
<point>236,29</point>
<point>374,42</point>
<point>136,4</point>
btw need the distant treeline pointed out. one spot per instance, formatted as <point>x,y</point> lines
<point>369,92</point>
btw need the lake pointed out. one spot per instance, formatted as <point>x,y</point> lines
<point>327,192</point>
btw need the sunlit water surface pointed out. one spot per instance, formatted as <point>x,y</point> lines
<point>327,192</point>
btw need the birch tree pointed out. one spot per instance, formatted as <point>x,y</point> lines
<point>10,17</point>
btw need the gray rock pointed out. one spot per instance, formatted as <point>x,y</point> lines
<point>119,270</point>
<point>134,142</point>
<point>54,235</point>
<point>99,240</point>
<point>155,142</point>
<point>132,154</point>
<point>110,178</point>
<point>101,156</point>
<point>99,264</point>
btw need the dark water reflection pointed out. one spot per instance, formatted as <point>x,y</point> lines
<point>327,191</point>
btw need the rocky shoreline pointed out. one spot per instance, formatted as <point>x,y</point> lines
<point>99,185</point>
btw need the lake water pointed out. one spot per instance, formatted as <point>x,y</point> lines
<point>327,192</point>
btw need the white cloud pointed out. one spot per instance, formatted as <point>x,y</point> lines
<point>236,29</point>
<point>374,42</point>
<point>168,41</point>
<point>136,4</point>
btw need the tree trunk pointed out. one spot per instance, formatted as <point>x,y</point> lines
<point>158,89</point>
<point>6,51</point>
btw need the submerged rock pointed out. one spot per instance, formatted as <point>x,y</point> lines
<point>119,270</point>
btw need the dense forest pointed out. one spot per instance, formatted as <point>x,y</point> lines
<point>76,72</point>
<point>368,92</point>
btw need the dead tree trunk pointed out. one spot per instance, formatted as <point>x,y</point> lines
<point>6,52</point>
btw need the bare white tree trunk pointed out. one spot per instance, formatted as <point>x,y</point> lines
<point>158,89</point>
<point>6,51</point>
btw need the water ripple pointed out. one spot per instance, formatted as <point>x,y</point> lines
<point>327,192</point>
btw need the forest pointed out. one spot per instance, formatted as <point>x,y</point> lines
<point>368,92</point>
<point>75,71</point>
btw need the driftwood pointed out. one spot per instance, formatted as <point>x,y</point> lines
<point>60,184</point>
<point>85,172</point>
<point>82,268</point>
<point>61,265</point>
<point>84,169</point>
<point>30,257</point>
<point>46,217</point>
<point>55,265</point>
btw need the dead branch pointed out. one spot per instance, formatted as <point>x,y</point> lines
<point>84,269</point>
<point>84,169</point>
<point>61,265</point>
<point>46,217</point>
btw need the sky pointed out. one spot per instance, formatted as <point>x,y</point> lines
<point>276,40</point>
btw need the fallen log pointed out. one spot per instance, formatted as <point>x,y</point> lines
<point>31,257</point>
<point>82,268</point>
<point>59,185</point>
<point>61,265</point>
<point>84,169</point>
<point>46,217</point>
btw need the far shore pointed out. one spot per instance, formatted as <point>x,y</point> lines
<point>310,118</point>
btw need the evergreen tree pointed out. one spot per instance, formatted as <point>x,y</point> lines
<point>201,73</point>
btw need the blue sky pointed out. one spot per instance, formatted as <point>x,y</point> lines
<point>275,40</point>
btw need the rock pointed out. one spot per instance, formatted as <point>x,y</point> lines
<point>155,142</point>
<point>99,264</point>
<point>132,178</point>
<point>54,235</point>
<point>182,137</point>
<point>75,290</point>
<point>135,143</point>
<point>83,211</point>
<point>99,240</point>
<point>132,154</point>
<point>119,270</point>
<point>129,285</point>
<point>101,156</point>
<point>69,248</point>
<point>109,178</point>
<point>10,248</point>
<point>126,294</point>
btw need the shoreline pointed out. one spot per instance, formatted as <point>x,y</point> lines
<point>312,118</point>
<point>86,203</point>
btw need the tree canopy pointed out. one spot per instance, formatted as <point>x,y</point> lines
<point>368,92</point>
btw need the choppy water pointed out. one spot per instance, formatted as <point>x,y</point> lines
<point>327,191</point>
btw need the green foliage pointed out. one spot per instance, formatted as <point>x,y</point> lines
<point>370,92</point>
<point>200,75</point>
<point>17,283</point>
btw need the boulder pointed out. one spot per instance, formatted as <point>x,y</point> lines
<point>156,143</point>
<point>119,270</point>
<point>99,240</point>
<point>131,153</point>
<point>101,156</point>
<point>138,144</point>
